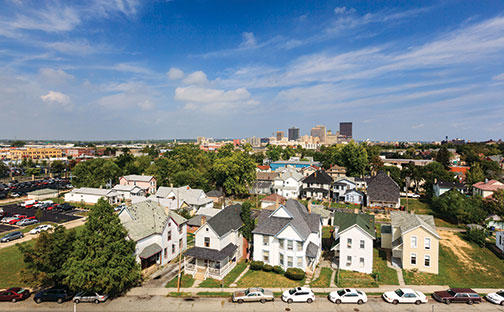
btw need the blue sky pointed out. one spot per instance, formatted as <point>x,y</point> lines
<point>131,69</point>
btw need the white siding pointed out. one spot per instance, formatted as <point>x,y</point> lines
<point>500,240</point>
<point>355,251</point>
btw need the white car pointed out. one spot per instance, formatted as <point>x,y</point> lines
<point>40,228</point>
<point>8,219</point>
<point>404,295</point>
<point>496,297</point>
<point>348,295</point>
<point>298,294</point>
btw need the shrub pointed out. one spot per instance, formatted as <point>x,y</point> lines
<point>295,274</point>
<point>256,265</point>
<point>476,235</point>
<point>267,268</point>
<point>278,269</point>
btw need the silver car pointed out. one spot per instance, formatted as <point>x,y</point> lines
<point>89,297</point>
<point>253,294</point>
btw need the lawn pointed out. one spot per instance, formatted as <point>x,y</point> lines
<point>354,279</point>
<point>190,239</point>
<point>267,279</point>
<point>326,231</point>
<point>324,279</point>
<point>384,274</point>
<point>210,283</point>
<point>11,263</point>
<point>484,270</point>
<point>422,207</point>
<point>185,282</point>
<point>234,273</point>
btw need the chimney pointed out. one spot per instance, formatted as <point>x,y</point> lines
<point>309,206</point>
<point>388,173</point>
<point>128,202</point>
<point>203,220</point>
<point>435,180</point>
<point>276,202</point>
<point>486,180</point>
<point>356,210</point>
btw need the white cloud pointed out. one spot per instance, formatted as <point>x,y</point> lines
<point>214,100</point>
<point>79,47</point>
<point>343,10</point>
<point>50,19</point>
<point>54,97</point>
<point>196,78</point>
<point>131,68</point>
<point>56,76</point>
<point>175,73</point>
<point>249,40</point>
<point>498,77</point>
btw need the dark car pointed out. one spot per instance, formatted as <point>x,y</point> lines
<point>14,294</point>
<point>457,295</point>
<point>59,295</point>
<point>11,236</point>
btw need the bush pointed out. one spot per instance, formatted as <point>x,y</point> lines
<point>295,274</point>
<point>256,265</point>
<point>278,269</point>
<point>267,268</point>
<point>477,236</point>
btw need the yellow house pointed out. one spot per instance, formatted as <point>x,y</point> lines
<point>413,240</point>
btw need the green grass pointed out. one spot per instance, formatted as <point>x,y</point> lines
<point>214,294</point>
<point>234,273</point>
<point>179,294</point>
<point>344,205</point>
<point>210,283</point>
<point>11,263</point>
<point>185,282</point>
<point>324,279</point>
<point>485,271</point>
<point>384,274</point>
<point>326,231</point>
<point>355,279</point>
<point>267,279</point>
<point>420,206</point>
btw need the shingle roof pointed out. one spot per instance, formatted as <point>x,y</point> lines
<point>346,220</point>
<point>407,222</point>
<point>95,191</point>
<point>273,198</point>
<point>266,176</point>
<point>137,177</point>
<point>290,173</point>
<point>318,177</point>
<point>190,196</point>
<point>492,185</point>
<point>450,185</point>
<point>382,188</point>
<point>311,250</point>
<point>226,220</point>
<point>150,250</point>
<point>321,210</point>
<point>211,254</point>
<point>215,193</point>
<point>125,188</point>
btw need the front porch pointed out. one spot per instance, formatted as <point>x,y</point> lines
<point>202,263</point>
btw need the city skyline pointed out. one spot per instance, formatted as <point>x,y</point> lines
<point>129,69</point>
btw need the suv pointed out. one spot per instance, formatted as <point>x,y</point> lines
<point>59,295</point>
<point>11,236</point>
<point>464,295</point>
<point>298,294</point>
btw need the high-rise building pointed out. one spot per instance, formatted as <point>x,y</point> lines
<point>279,135</point>
<point>293,134</point>
<point>345,129</point>
<point>319,132</point>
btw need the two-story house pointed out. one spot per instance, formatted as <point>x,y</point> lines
<point>159,233</point>
<point>289,236</point>
<point>354,234</point>
<point>288,183</point>
<point>183,197</point>
<point>128,191</point>
<point>487,188</point>
<point>341,186</point>
<point>441,187</point>
<point>146,183</point>
<point>218,245</point>
<point>414,241</point>
<point>317,186</point>
<point>336,172</point>
<point>383,191</point>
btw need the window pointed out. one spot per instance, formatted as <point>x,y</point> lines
<point>265,240</point>
<point>265,256</point>
<point>180,229</point>
<point>207,241</point>
<point>299,246</point>
<point>427,243</point>
<point>169,235</point>
<point>361,262</point>
<point>349,242</point>
<point>173,248</point>
<point>349,260</point>
<point>281,243</point>
<point>166,252</point>
<point>289,262</point>
<point>413,242</point>
<point>413,259</point>
<point>290,245</point>
<point>282,260</point>
<point>300,262</point>
<point>362,244</point>
<point>427,260</point>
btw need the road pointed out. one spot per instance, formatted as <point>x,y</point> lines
<point>161,303</point>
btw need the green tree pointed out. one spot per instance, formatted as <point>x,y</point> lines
<point>477,236</point>
<point>273,152</point>
<point>18,143</point>
<point>235,173</point>
<point>95,173</point>
<point>102,259</point>
<point>434,172</point>
<point>457,208</point>
<point>4,170</point>
<point>57,166</point>
<point>496,203</point>
<point>248,221</point>
<point>475,174</point>
<point>355,159</point>
<point>443,157</point>
<point>45,259</point>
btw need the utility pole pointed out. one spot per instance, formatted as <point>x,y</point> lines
<point>406,187</point>
<point>180,250</point>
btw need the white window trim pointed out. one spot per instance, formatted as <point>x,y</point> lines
<point>411,259</point>
<point>416,242</point>
<point>427,239</point>
<point>430,260</point>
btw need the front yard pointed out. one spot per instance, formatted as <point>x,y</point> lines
<point>11,263</point>
<point>354,279</point>
<point>324,279</point>
<point>185,282</point>
<point>267,279</point>
<point>384,274</point>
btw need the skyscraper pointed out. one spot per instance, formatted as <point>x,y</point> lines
<point>319,132</point>
<point>345,129</point>
<point>293,134</point>
<point>279,135</point>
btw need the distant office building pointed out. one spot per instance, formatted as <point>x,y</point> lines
<point>279,135</point>
<point>319,132</point>
<point>265,140</point>
<point>345,129</point>
<point>293,134</point>
<point>254,141</point>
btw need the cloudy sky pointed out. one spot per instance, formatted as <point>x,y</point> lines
<point>132,69</point>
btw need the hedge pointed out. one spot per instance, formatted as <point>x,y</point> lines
<point>278,269</point>
<point>267,268</point>
<point>256,265</point>
<point>295,274</point>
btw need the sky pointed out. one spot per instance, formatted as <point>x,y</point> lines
<point>139,69</point>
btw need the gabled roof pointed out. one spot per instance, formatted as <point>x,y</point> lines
<point>263,167</point>
<point>344,221</point>
<point>126,188</point>
<point>136,177</point>
<point>355,191</point>
<point>318,177</point>
<point>290,173</point>
<point>408,222</point>
<point>381,187</point>
<point>186,194</point>
<point>95,191</point>
<point>266,176</point>
<point>226,220</point>
<point>273,198</point>
<point>492,185</point>
<point>450,185</point>
<point>321,210</point>
<point>215,193</point>
<point>211,254</point>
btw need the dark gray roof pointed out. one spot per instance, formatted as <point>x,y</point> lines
<point>318,177</point>
<point>450,185</point>
<point>386,229</point>
<point>215,193</point>
<point>383,188</point>
<point>211,254</point>
<point>226,220</point>
<point>150,250</point>
<point>269,225</point>
<point>195,221</point>
<point>311,250</point>
<point>397,242</point>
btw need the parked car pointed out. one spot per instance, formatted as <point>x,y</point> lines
<point>59,295</point>
<point>41,228</point>
<point>11,236</point>
<point>6,220</point>
<point>496,297</point>
<point>14,294</point>
<point>348,295</point>
<point>298,294</point>
<point>253,294</point>
<point>27,221</point>
<point>89,297</point>
<point>404,295</point>
<point>458,295</point>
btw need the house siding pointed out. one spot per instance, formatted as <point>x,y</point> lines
<point>355,252</point>
<point>420,251</point>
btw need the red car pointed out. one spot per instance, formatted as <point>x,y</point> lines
<point>14,294</point>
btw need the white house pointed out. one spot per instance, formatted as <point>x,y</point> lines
<point>160,234</point>
<point>341,186</point>
<point>183,197</point>
<point>90,195</point>
<point>147,183</point>
<point>289,236</point>
<point>355,197</point>
<point>218,245</point>
<point>288,184</point>
<point>499,240</point>
<point>353,248</point>
<point>317,186</point>
<point>441,187</point>
<point>128,191</point>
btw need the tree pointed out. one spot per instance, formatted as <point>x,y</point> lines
<point>102,259</point>
<point>496,203</point>
<point>235,173</point>
<point>458,208</point>
<point>45,259</point>
<point>95,173</point>
<point>477,236</point>
<point>434,172</point>
<point>4,170</point>
<point>273,152</point>
<point>18,143</point>
<point>443,157</point>
<point>475,174</point>
<point>248,221</point>
<point>355,159</point>
<point>57,166</point>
